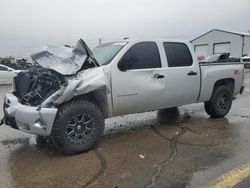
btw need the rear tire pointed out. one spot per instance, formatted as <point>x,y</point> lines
<point>78,127</point>
<point>220,103</point>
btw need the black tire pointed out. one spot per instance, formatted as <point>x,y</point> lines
<point>220,103</point>
<point>78,127</point>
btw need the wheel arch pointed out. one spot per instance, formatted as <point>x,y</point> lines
<point>208,87</point>
<point>97,97</point>
<point>230,82</point>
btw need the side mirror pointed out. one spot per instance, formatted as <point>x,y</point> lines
<point>122,65</point>
<point>128,62</point>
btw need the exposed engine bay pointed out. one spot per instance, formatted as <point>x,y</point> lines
<point>33,87</point>
<point>54,66</point>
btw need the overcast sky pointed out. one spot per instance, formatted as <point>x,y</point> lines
<point>25,24</point>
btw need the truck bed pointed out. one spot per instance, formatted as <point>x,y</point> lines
<point>213,71</point>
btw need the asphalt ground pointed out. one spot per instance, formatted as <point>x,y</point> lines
<point>184,148</point>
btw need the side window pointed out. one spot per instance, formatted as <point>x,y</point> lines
<point>144,55</point>
<point>178,54</point>
<point>3,68</point>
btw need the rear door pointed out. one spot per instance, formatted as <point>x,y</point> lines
<point>141,87</point>
<point>183,75</point>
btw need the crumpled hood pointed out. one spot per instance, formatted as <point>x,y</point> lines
<point>64,60</point>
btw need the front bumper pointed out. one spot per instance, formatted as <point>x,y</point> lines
<point>34,120</point>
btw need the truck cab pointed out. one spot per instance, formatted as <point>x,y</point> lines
<point>155,70</point>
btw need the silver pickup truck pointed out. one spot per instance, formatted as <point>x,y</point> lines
<point>71,92</point>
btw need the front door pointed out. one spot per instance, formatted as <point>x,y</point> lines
<point>141,87</point>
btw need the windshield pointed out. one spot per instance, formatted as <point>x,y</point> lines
<point>104,53</point>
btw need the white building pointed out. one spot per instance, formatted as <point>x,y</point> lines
<point>218,41</point>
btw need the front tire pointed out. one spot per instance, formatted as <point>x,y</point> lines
<point>78,127</point>
<point>220,103</point>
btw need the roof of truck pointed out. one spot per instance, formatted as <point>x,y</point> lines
<point>154,39</point>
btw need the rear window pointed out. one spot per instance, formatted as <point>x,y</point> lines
<point>178,54</point>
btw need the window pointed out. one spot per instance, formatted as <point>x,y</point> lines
<point>178,54</point>
<point>146,55</point>
<point>201,50</point>
<point>222,48</point>
<point>104,53</point>
<point>3,68</point>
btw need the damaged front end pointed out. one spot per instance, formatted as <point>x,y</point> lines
<point>32,106</point>
<point>33,87</point>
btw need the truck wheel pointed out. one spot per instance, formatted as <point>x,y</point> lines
<point>78,127</point>
<point>220,102</point>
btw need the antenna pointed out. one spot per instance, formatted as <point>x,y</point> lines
<point>69,39</point>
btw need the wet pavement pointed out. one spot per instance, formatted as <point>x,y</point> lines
<point>183,148</point>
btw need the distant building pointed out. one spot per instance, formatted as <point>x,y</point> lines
<point>216,41</point>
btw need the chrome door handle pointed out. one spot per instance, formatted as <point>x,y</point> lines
<point>192,73</point>
<point>158,76</point>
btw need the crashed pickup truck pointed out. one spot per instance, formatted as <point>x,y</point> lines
<point>68,96</point>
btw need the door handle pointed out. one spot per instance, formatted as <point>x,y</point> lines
<point>158,76</point>
<point>192,73</point>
